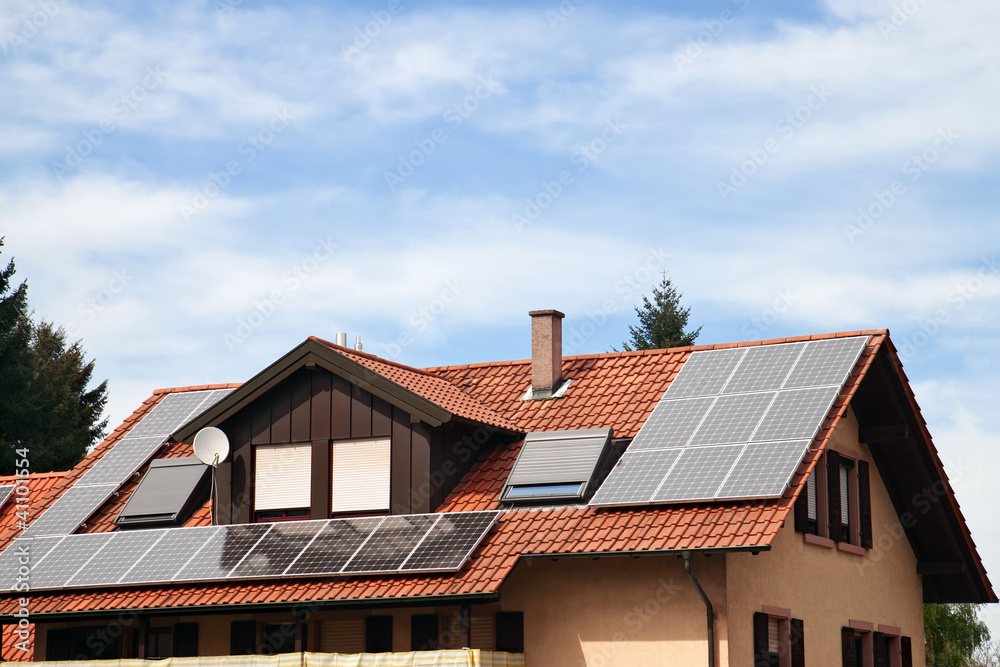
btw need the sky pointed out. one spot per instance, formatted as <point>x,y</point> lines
<point>193,188</point>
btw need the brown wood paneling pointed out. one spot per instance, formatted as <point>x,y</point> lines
<point>381,418</point>
<point>322,401</point>
<point>321,492</point>
<point>439,472</point>
<point>340,425</point>
<point>361,413</point>
<point>301,399</point>
<point>420,459</point>
<point>281,408</point>
<point>261,422</point>
<point>399,473</point>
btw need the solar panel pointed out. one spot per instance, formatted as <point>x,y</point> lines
<point>70,510</point>
<point>392,543</point>
<point>62,563</point>
<point>826,362</point>
<point>636,477</point>
<point>796,414</point>
<point>223,551</point>
<point>116,558</point>
<point>125,457</point>
<point>732,419</point>
<point>744,398</point>
<point>334,545</point>
<point>273,554</point>
<point>672,424</point>
<point>174,549</point>
<point>171,412</point>
<point>33,550</point>
<point>698,473</point>
<point>5,493</point>
<point>450,542</point>
<point>764,368</point>
<point>705,373</point>
<point>764,469</point>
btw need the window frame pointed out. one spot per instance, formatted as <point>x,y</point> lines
<point>335,512</point>
<point>855,537</point>
<point>868,633</point>
<point>374,625</point>
<point>307,446</point>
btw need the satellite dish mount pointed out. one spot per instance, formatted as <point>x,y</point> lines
<point>211,446</point>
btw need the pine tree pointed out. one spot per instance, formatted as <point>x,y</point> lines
<point>46,406</point>
<point>661,321</point>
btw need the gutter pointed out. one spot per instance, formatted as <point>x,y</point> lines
<point>708,609</point>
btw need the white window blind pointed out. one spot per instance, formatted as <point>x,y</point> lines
<point>360,476</point>
<point>813,510</point>
<point>845,513</point>
<point>773,645</point>
<point>282,478</point>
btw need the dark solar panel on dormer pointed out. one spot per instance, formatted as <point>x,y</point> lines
<point>169,490</point>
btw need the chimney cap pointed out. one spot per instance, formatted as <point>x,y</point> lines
<point>549,311</point>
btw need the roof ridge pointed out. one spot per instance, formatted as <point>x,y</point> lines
<point>369,355</point>
<point>198,387</point>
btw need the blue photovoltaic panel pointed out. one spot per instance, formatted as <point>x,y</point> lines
<point>762,401</point>
<point>705,373</point>
<point>116,558</point>
<point>672,424</point>
<point>172,552</point>
<point>125,457</point>
<point>70,510</point>
<point>5,493</point>
<point>450,542</point>
<point>698,473</point>
<point>32,550</point>
<point>334,546</point>
<point>172,412</point>
<point>764,469</point>
<point>392,543</point>
<point>63,562</point>
<point>764,368</point>
<point>222,552</point>
<point>276,551</point>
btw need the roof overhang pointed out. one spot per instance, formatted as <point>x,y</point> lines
<point>313,354</point>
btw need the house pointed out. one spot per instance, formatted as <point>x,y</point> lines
<point>766,503</point>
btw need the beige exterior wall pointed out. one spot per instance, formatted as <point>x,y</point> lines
<point>616,611</point>
<point>825,587</point>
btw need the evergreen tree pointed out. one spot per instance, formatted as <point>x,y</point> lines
<point>661,321</point>
<point>952,633</point>
<point>45,404</point>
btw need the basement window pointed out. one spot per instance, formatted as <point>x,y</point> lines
<point>167,494</point>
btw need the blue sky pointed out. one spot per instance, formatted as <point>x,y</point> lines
<point>193,188</point>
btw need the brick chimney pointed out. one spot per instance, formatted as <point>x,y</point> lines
<point>546,352</point>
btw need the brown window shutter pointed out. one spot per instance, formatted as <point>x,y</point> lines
<point>797,640</point>
<point>865,504</point>
<point>760,658</point>
<point>906,649</point>
<point>847,642</point>
<point>833,493</point>
<point>802,511</point>
<point>879,650</point>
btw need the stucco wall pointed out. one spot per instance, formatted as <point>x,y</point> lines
<point>827,588</point>
<point>616,611</point>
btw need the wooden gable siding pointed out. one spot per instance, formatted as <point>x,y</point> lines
<point>317,407</point>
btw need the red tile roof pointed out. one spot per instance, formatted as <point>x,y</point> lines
<point>616,390</point>
<point>9,652</point>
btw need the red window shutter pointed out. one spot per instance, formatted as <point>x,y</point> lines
<point>797,640</point>
<point>881,654</point>
<point>906,649</point>
<point>847,642</point>
<point>833,493</point>
<point>760,640</point>
<point>865,504</point>
<point>802,512</point>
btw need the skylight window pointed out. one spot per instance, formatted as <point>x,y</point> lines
<point>557,465</point>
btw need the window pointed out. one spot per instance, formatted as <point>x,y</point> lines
<point>360,476</point>
<point>557,465</point>
<point>185,640</point>
<point>778,639</point>
<point>836,503</point>
<point>243,638</point>
<point>282,477</point>
<point>510,631</point>
<point>863,646</point>
<point>167,494</point>
<point>280,638</point>
<point>378,634</point>
<point>159,642</point>
<point>544,491</point>
<point>81,643</point>
<point>424,632</point>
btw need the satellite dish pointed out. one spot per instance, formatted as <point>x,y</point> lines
<point>211,446</point>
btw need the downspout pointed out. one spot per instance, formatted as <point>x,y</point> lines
<point>708,609</point>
